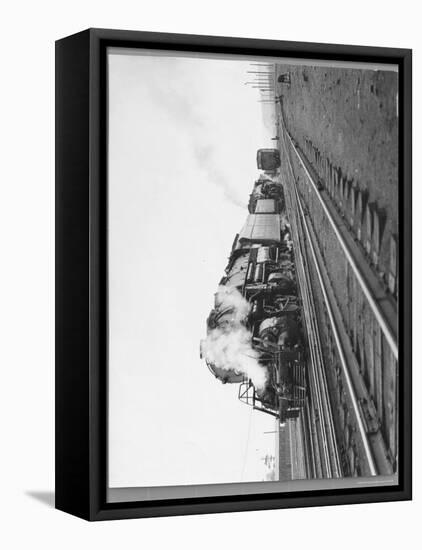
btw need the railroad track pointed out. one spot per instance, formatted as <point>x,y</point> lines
<point>357,427</point>
<point>367,283</point>
<point>323,453</point>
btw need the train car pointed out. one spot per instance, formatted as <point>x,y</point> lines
<point>266,188</point>
<point>268,160</point>
<point>254,333</point>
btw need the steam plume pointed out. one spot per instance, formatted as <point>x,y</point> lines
<point>230,297</point>
<point>230,347</point>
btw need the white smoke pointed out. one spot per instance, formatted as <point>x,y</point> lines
<point>284,222</point>
<point>206,155</point>
<point>229,296</point>
<point>289,243</point>
<point>230,348</point>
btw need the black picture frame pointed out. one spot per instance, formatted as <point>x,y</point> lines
<point>81,277</point>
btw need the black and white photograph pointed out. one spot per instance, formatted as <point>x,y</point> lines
<point>252,274</point>
<point>210,237</point>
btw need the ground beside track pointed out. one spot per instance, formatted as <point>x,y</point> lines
<point>350,115</point>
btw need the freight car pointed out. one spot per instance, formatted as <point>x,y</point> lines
<point>254,334</point>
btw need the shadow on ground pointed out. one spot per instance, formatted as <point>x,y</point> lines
<point>45,497</point>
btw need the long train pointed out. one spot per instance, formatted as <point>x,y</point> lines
<point>254,333</point>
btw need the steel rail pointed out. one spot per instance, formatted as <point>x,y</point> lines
<point>311,330</point>
<point>339,345</point>
<point>374,306</point>
<point>332,459</point>
<point>322,382</point>
<point>329,465</point>
<point>315,395</point>
<point>308,457</point>
<point>316,389</point>
<point>329,435</point>
<point>311,440</point>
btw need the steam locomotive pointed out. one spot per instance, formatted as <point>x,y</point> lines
<point>255,327</point>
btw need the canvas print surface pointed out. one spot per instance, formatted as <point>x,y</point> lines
<point>252,274</point>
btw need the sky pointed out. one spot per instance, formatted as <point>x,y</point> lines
<point>183,136</point>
